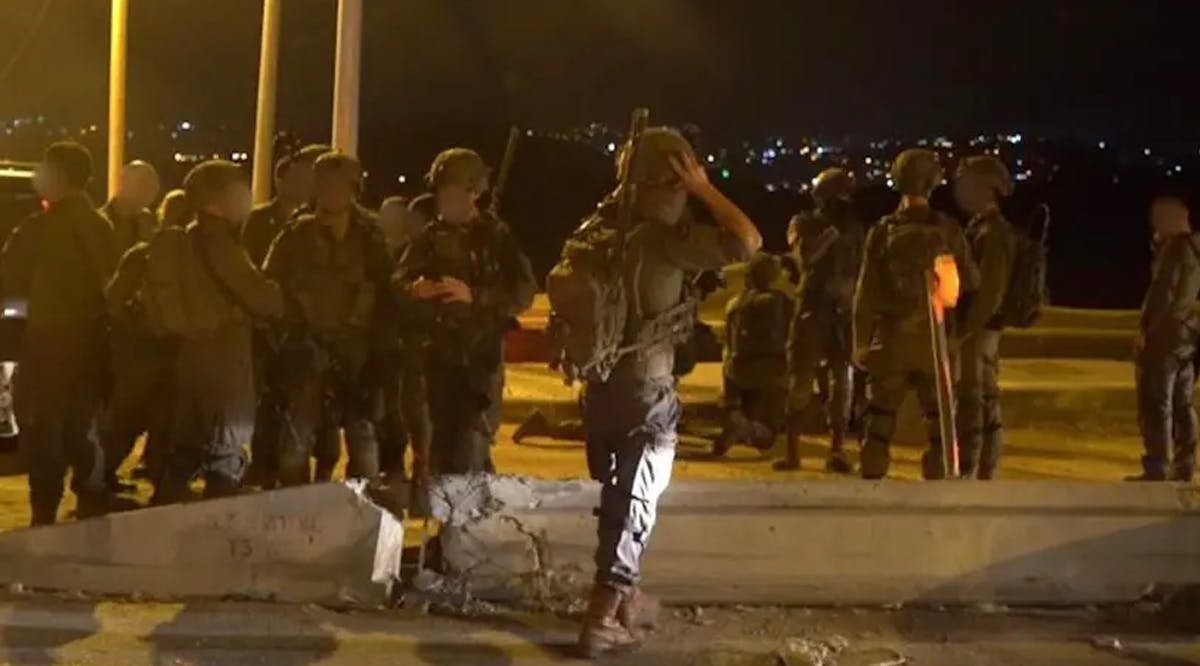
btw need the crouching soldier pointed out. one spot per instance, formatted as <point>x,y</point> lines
<point>1166,347</point>
<point>755,384</point>
<point>464,277</point>
<point>892,301</point>
<point>202,288</point>
<point>332,265</point>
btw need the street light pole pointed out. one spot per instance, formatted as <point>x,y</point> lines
<point>264,124</point>
<point>117,59</point>
<point>346,76</point>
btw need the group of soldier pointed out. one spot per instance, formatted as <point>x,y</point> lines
<point>286,326</point>
<point>861,309</point>
<point>309,318</point>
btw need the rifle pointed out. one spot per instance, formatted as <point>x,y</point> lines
<point>510,154</point>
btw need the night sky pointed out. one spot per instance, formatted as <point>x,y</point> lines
<point>1119,68</point>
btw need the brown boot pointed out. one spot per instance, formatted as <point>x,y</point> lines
<point>792,462</point>
<point>602,632</point>
<point>638,611</point>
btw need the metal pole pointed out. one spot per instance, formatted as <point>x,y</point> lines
<point>346,76</point>
<point>264,123</point>
<point>117,58</point>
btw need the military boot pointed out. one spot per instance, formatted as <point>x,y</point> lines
<point>638,611</point>
<point>791,462</point>
<point>761,437</point>
<point>736,429</point>
<point>534,425</point>
<point>602,632</point>
<point>1153,469</point>
<point>838,462</point>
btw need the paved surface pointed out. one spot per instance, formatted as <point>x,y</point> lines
<point>101,633</point>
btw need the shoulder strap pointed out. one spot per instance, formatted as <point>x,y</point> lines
<point>222,286</point>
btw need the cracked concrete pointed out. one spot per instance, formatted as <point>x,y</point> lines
<point>315,544</point>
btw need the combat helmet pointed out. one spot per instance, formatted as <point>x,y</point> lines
<point>990,170</point>
<point>458,166</point>
<point>916,172</point>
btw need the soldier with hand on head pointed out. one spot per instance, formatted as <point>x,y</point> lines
<point>1166,347</point>
<point>755,390</point>
<point>59,261</point>
<point>334,268</point>
<point>129,209</point>
<point>980,184</point>
<point>463,278</point>
<point>892,304</point>
<point>828,246</point>
<point>631,415</point>
<point>203,290</point>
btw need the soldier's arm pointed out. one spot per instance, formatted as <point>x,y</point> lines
<point>1156,307</point>
<point>259,294</point>
<point>123,288</point>
<point>812,247</point>
<point>867,293</point>
<point>968,270</point>
<point>994,267</point>
<point>700,247</point>
<point>412,266</point>
<point>102,247</point>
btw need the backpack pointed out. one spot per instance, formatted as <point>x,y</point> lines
<point>1027,292</point>
<point>910,249</point>
<point>162,294</point>
<point>588,302</point>
<point>762,326</point>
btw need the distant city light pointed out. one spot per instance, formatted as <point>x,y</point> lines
<point>867,161</point>
<point>725,174</point>
<point>402,179</point>
<point>1147,152</point>
<point>769,154</point>
<point>711,158</point>
<point>1178,168</point>
<point>1016,138</point>
<point>612,147</point>
<point>185,126</point>
<point>770,187</point>
<point>179,157</point>
<point>1102,145</point>
<point>779,143</point>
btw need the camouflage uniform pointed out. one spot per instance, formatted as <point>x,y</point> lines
<point>213,389</point>
<point>1165,375</point>
<point>755,388</point>
<point>898,315</point>
<point>461,346</point>
<point>332,287</point>
<point>139,401</point>
<point>991,241</point>
<point>631,419</point>
<point>60,261</point>
<point>829,247</point>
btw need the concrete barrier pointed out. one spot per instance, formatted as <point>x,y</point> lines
<point>318,544</point>
<point>843,542</point>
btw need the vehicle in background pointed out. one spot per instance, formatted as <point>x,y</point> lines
<point>18,200</point>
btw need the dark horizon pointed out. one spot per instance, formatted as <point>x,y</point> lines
<point>1072,68</point>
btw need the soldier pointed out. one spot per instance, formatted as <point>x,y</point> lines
<point>828,244</point>
<point>224,293</point>
<point>129,209</point>
<point>334,270</point>
<point>631,418</point>
<point>293,192</point>
<point>1166,347</point>
<point>980,184</point>
<point>755,393</point>
<point>141,360</point>
<point>467,278</point>
<point>891,302</point>
<point>59,261</point>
